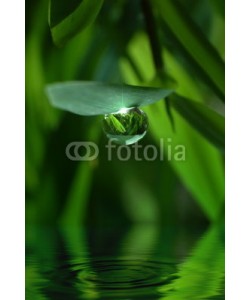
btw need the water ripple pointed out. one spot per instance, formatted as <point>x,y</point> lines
<point>114,278</point>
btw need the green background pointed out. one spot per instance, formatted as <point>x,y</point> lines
<point>166,44</point>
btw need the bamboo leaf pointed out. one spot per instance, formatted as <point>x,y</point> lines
<point>200,166</point>
<point>95,98</point>
<point>75,208</point>
<point>209,123</point>
<point>67,18</point>
<point>202,172</point>
<point>193,42</point>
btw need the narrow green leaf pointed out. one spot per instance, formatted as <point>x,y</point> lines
<point>75,208</point>
<point>201,169</point>
<point>117,124</point>
<point>209,123</point>
<point>202,172</point>
<point>95,98</point>
<point>193,42</point>
<point>67,18</point>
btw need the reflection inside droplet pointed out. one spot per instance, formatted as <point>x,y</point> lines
<point>127,126</point>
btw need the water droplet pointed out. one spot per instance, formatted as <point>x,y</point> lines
<point>127,126</point>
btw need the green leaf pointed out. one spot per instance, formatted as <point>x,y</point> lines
<point>75,208</point>
<point>89,98</point>
<point>209,123</point>
<point>219,6</point>
<point>202,172</point>
<point>67,18</point>
<point>193,42</point>
<point>201,169</point>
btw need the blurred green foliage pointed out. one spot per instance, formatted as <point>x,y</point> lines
<point>146,43</point>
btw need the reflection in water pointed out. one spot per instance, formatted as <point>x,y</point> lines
<point>141,263</point>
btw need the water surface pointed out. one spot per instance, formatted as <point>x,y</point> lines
<point>142,262</point>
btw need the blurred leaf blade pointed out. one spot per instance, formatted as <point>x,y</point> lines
<point>75,208</point>
<point>68,18</point>
<point>96,98</point>
<point>219,5</point>
<point>193,42</point>
<point>205,181</point>
<point>209,123</point>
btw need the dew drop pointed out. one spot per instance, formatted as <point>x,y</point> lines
<point>127,126</point>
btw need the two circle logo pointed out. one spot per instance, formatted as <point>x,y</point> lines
<point>90,150</point>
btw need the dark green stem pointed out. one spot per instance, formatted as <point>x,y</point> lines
<point>152,34</point>
<point>169,112</point>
